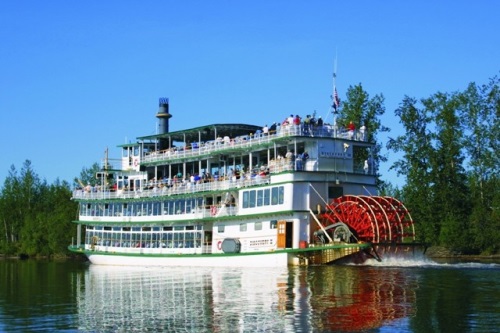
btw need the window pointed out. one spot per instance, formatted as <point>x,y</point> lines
<point>267,197</point>
<point>260,198</point>
<point>281,192</point>
<point>258,225</point>
<point>273,224</point>
<point>264,197</point>
<point>243,227</point>
<point>246,199</point>
<point>252,198</point>
<point>274,195</point>
<point>220,228</point>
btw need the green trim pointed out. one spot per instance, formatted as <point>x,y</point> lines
<point>289,213</point>
<point>360,246</point>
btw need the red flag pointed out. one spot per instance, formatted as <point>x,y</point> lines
<point>336,100</point>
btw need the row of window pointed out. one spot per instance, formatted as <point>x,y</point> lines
<point>157,237</point>
<point>263,197</point>
<point>244,226</point>
<point>149,208</point>
<point>251,199</point>
<point>174,239</point>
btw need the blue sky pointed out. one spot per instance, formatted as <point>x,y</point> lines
<point>77,77</point>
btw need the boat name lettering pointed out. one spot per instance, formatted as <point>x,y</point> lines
<point>333,154</point>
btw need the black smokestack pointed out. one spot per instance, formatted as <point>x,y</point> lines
<point>163,117</point>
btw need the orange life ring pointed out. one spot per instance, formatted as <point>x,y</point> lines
<point>213,210</point>
<point>219,245</point>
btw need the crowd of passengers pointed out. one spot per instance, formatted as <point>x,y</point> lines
<point>292,125</point>
<point>291,161</point>
<point>234,175</point>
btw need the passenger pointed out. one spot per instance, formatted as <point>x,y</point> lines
<point>362,133</point>
<point>320,122</point>
<point>307,125</point>
<point>298,162</point>
<point>296,120</point>
<point>305,156</point>
<point>351,128</point>
<point>265,130</point>
<point>262,172</point>
<point>273,129</point>
<point>296,125</point>
<point>290,158</point>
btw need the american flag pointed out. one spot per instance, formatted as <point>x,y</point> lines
<point>336,100</point>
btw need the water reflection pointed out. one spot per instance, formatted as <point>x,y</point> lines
<point>413,296</point>
<point>320,299</point>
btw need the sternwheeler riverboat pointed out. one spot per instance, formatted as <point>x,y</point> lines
<point>296,193</point>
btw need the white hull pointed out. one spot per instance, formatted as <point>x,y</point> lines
<point>257,260</point>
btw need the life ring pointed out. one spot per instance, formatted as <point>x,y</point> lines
<point>213,210</point>
<point>219,245</point>
<point>136,162</point>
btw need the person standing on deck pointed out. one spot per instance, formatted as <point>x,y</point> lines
<point>351,128</point>
<point>265,130</point>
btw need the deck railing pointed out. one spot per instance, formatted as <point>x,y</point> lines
<point>159,189</point>
<point>225,143</point>
<point>218,210</point>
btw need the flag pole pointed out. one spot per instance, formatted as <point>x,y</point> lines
<point>335,97</point>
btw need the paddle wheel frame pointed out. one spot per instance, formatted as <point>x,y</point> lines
<point>374,219</point>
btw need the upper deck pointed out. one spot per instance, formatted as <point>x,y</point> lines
<point>337,158</point>
<point>189,149</point>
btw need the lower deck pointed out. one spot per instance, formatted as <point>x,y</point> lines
<point>201,238</point>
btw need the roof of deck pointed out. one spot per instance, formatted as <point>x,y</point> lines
<point>205,133</point>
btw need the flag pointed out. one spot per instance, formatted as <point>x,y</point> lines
<point>336,100</point>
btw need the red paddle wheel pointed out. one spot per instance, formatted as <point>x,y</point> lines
<point>372,219</point>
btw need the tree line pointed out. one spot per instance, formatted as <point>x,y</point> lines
<point>35,216</point>
<point>449,159</point>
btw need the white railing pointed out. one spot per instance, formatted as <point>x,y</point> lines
<point>178,188</point>
<point>188,214</point>
<point>248,140</point>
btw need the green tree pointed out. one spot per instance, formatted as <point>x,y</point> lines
<point>36,217</point>
<point>87,176</point>
<point>363,110</point>
<point>480,115</point>
<point>10,215</point>
<point>451,204</point>
<point>415,165</point>
<point>60,211</point>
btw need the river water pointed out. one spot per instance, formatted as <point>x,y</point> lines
<point>394,296</point>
